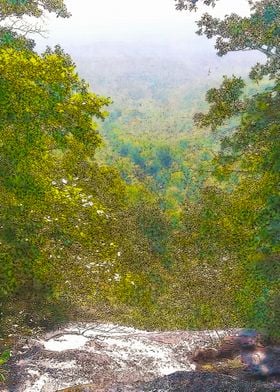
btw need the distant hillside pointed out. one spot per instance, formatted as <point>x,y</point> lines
<point>149,134</point>
<point>155,89</point>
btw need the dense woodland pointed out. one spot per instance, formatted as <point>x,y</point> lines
<point>115,211</point>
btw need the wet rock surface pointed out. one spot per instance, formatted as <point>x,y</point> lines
<point>110,358</point>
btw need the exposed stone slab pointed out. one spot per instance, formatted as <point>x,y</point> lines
<point>111,358</point>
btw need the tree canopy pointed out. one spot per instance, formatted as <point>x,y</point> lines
<point>244,225</point>
<point>178,228</point>
<point>64,217</point>
<point>35,8</point>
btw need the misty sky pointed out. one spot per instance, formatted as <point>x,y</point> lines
<point>154,21</point>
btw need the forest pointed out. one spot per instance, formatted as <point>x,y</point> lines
<point>153,204</point>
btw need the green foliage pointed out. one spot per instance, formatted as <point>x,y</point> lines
<point>186,236</point>
<point>220,241</point>
<point>224,103</point>
<point>169,170</point>
<point>259,31</point>
<point>65,235</point>
<point>35,8</point>
<point>49,116</point>
<point>4,357</point>
<point>233,228</point>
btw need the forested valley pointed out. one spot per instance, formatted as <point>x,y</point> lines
<point>136,188</point>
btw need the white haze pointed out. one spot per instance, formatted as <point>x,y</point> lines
<point>106,37</point>
<point>145,21</point>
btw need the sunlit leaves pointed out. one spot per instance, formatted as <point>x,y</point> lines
<point>224,103</point>
<point>243,225</point>
<point>46,109</point>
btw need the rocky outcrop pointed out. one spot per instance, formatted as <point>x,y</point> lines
<point>110,358</point>
<point>182,382</point>
<point>257,358</point>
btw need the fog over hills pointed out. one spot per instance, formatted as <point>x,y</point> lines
<point>155,86</point>
<point>104,64</point>
<point>145,53</point>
